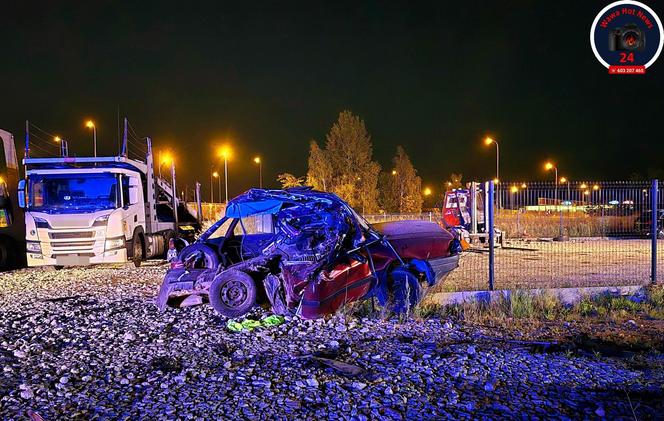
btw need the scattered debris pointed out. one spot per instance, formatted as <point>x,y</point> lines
<point>249,324</point>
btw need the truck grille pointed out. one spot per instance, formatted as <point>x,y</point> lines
<point>71,235</point>
<point>72,244</point>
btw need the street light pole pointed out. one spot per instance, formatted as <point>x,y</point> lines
<point>64,146</point>
<point>225,176</point>
<point>550,166</point>
<point>219,180</point>
<point>211,188</point>
<point>91,125</point>
<point>555,196</point>
<point>260,171</point>
<point>489,141</point>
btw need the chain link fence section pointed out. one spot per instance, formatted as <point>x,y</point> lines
<point>566,234</point>
<point>573,234</point>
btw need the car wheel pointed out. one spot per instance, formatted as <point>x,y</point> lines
<point>233,293</point>
<point>209,259</point>
<point>405,290</point>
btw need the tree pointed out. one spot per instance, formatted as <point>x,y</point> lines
<point>319,175</point>
<point>455,181</point>
<point>345,167</point>
<point>403,188</point>
<point>288,180</point>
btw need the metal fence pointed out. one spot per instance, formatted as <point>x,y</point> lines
<point>573,234</point>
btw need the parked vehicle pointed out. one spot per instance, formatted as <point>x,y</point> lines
<point>643,223</point>
<point>308,253</point>
<point>463,212</point>
<point>89,210</point>
<point>12,228</point>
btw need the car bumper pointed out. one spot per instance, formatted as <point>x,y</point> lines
<point>181,282</point>
<point>442,266</point>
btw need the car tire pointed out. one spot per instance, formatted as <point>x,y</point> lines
<point>232,293</point>
<point>210,256</point>
<point>405,290</point>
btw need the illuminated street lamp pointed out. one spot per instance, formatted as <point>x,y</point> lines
<point>216,175</point>
<point>164,159</point>
<point>488,141</point>
<point>514,190</point>
<point>394,172</point>
<point>427,191</point>
<point>564,180</point>
<point>258,161</point>
<point>91,125</point>
<point>551,166</point>
<point>225,152</point>
<point>212,175</point>
<point>64,146</point>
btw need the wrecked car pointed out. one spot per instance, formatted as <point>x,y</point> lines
<point>307,253</point>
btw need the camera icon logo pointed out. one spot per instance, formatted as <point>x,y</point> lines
<point>627,38</point>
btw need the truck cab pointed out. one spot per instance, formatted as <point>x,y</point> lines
<point>81,216</point>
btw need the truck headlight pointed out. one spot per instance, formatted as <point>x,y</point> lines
<point>114,243</point>
<point>101,221</point>
<point>41,222</point>
<point>33,247</point>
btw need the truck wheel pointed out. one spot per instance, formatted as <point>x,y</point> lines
<point>138,251</point>
<point>233,293</point>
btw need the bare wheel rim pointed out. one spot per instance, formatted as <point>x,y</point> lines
<point>233,293</point>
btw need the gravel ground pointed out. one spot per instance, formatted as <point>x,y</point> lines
<point>104,351</point>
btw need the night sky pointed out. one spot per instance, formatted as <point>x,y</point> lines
<point>268,77</point>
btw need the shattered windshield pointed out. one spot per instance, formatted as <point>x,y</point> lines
<point>62,193</point>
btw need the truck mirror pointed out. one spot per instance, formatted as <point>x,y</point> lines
<point>21,194</point>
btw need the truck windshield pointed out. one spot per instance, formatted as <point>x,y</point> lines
<point>67,193</point>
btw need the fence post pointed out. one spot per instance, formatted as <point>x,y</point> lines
<point>653,230</point>
<point>490,231</point>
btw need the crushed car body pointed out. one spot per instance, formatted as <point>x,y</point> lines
<point>307,253</point>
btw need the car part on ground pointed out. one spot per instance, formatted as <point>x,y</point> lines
<point>308,253</point>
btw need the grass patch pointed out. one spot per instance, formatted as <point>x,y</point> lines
<point>526,305</point>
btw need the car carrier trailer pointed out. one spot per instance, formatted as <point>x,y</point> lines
<point>91,210</point>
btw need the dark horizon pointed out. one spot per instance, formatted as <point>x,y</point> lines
<point>269,77</point>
